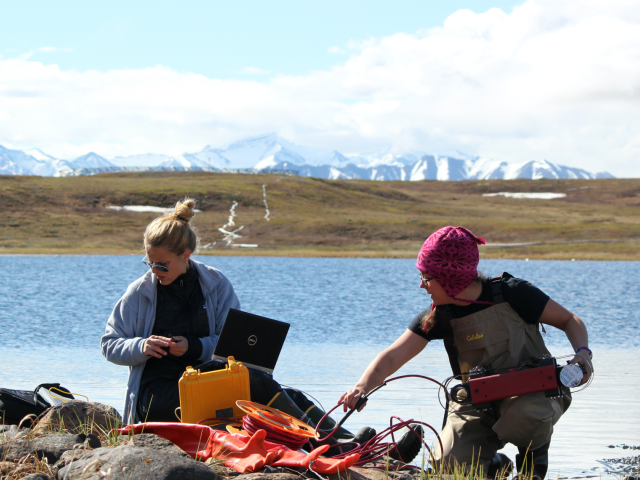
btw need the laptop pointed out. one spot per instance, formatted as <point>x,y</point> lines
<point>251,339</point>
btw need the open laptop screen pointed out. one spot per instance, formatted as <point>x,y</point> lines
<point>251,339</point>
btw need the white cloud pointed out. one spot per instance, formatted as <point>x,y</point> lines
<point>554,79</point>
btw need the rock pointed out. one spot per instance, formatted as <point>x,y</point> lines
<point>221,470</point>
<point>264,475</point>
<point>12,431</point>
<point>50,447</point>
<point>151,440</point>
<point>70,456</point>
<point>37,476</point>
<point>358,473</point>
<point>76,416</point>
<point>130,461</point>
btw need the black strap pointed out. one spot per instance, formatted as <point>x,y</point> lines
<point>496,288</point>
<point>444,314</point>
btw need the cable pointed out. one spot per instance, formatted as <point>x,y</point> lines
<point>593,373</point>
<point>304,393</point>
<point>375,448</point>
<point>252,424</point>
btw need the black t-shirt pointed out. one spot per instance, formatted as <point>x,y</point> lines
<point>527,300</point>
<point>180,311</point>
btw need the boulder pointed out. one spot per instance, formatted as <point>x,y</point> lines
<point>266,471</point>
<point>130,461</point>
<point>50,447</point>
<point>76,416</point>
<point>12,431</point>
<point>390,471</point>
<point>37,476</point>
<point>264,475</point>
<point>151,440</point>
<point>69,456</point>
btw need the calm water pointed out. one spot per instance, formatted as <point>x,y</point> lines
<point>53,310</point>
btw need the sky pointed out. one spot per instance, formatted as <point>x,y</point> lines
<point>509,80</point>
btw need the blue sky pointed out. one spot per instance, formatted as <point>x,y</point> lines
<point>507,80</point>
<point>218,39</point>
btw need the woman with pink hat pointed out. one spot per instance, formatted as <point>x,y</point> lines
<point>484,322</point>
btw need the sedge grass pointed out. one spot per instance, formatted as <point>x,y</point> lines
<point>315,217</point>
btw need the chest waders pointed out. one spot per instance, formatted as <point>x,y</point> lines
<point>496,337</point>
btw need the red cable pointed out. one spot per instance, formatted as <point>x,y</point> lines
<point>375,448</point>
<point>274,434</point>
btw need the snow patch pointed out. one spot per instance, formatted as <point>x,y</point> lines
<point>144,209</point>
<point>537,195</point>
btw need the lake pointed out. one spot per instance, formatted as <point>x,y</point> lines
<point>53,310</point>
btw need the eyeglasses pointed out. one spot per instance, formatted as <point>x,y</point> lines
<point>161,268</point>
<point>425,281</point>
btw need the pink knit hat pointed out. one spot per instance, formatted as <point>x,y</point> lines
<point>451,256</point>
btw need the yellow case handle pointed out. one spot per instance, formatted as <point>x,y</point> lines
<point>233,365</point>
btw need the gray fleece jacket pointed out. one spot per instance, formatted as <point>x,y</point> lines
<point>132,319</point>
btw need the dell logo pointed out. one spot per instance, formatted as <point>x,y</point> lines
<point>252,340</point>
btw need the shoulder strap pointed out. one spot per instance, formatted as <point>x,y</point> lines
<point>496,287</point>
<point>443,317</point>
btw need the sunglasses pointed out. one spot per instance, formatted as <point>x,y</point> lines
<point>425,281</point>
<point>160,268</point>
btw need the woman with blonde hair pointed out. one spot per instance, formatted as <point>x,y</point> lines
<point>169,318</point>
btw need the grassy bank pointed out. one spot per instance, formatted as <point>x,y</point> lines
<point>315,217</point>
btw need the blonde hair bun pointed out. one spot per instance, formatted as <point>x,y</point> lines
<point>173,230</point>
<point>184,210</point>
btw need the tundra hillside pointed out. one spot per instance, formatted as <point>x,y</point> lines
<point>598,219</point>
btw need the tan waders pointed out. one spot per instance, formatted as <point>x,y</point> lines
<point>497,338</point>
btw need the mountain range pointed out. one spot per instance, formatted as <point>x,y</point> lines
<point>273,153</point>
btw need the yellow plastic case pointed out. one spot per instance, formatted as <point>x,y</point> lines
<point>213,394</point>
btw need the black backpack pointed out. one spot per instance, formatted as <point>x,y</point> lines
<point>17,404</point>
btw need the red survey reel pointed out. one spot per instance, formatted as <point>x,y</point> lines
<point>276,419</point>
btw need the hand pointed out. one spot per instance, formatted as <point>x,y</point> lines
<point>154,346</point>
<point>579,359</point>
<point>351,397</point>
<point>179,346</point>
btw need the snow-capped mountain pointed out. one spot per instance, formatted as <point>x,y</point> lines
<point>140,160</point>
<point>265,151</point>
<point>36,162</point>
<point>536,169</point>
<point>91,160</point>
<point>30,162</point>
<point>271,152</point>
<point>187,161</point>
<point>15,162</point>
<point>388,155</point>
